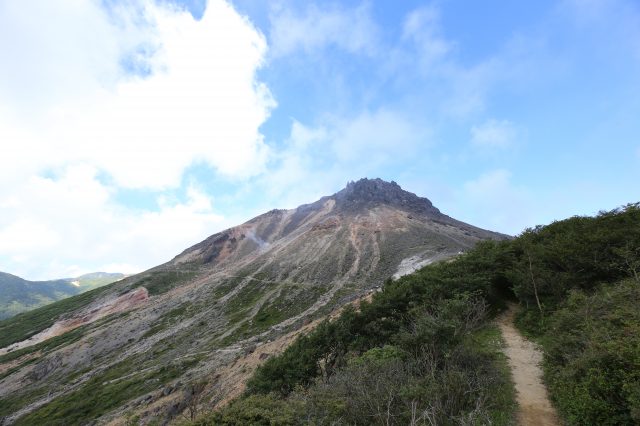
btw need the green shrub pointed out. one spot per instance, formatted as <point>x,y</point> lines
<point>256,410</point>
<point>593,356</point>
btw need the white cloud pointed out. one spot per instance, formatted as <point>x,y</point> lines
<point>48,48</point>
<point>352,30</point>
<point>201,101</point>
<point>494,134</point>
<point>56,227</point>
<point>134,94</point>
<point>26,234</point>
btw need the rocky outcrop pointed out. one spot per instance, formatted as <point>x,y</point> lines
<point>367,193</point>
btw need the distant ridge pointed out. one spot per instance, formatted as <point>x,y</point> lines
<point>19,295</point>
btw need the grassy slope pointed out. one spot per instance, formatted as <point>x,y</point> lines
<point>26,324</point>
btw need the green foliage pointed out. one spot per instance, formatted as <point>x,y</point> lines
<point>257,410</point>
<point>386,385</point>
<point>245,299</point>
<point>593,356</point>
<point>172,317</point>
<point>433,300</point>
<point>159,282</point>
<point>378,356</point>
<point>578,280</point>
<point>15,401</point>
<point>487,342</point>
<point>96,279</point>
<point>290,300</point>
<point>577,253</point>
<point>297,365</point>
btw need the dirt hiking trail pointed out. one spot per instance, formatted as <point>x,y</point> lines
<point>534,407</point>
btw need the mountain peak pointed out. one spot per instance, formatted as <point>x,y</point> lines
<point>238,291</point>
<point>373,185</point>
<point>367,192</point>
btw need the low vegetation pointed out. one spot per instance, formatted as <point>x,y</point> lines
<point>593,355</point>
<point>27,324</point>
<point>103,392</point>
<point>159,282</point>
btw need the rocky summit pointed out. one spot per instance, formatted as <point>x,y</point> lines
<point>220,308</point>
<point>367,193</point>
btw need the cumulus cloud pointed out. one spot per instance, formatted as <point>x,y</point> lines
<point>57,50</point>
<point>100,96</point>
<point>170,90</point>
<point>64,226</point>
<point>494,134</point>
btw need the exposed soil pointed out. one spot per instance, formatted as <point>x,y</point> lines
<point>524,360</point>
<point>119,304</point>
<point>16,362</point>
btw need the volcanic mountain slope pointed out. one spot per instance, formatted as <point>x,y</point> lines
<point>132,349</point>
<point>20,295</point>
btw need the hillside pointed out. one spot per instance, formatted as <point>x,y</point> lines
<point>134,348</point>
<point>19,295</point>
<point>425,350</point>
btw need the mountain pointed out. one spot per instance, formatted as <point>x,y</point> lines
<point>20,295</point>
<point>427,348</point>
<point>137,347</point>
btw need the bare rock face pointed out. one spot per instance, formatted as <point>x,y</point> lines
<point>367,193</point>
<point>224,305</point>
<point>43,369</point>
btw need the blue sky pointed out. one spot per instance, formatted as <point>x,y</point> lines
<point>130,130</point>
